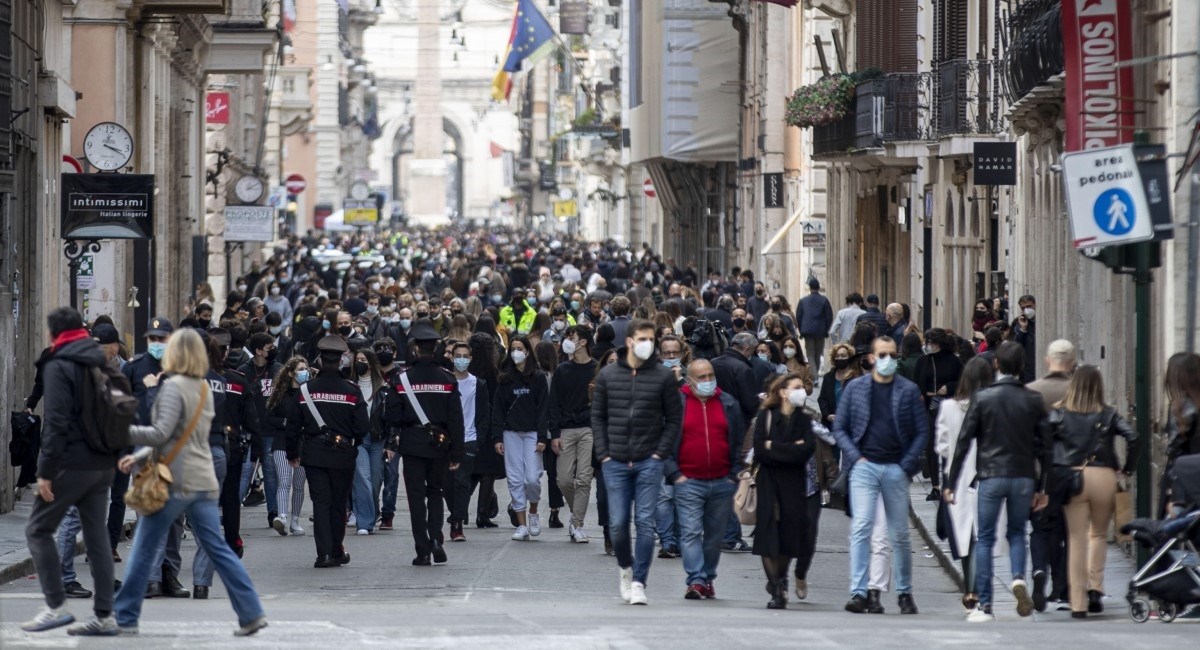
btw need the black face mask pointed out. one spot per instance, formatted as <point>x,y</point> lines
<point>422,314</point>
<point>776,306</point>
<point>866,364</point>
<point>739,322</point>
<point>345,330</point>
<point>841,364</point>
<point>386,358</point>
<point>271,356</point>
<point>361,368</point>
<point>204,322</point>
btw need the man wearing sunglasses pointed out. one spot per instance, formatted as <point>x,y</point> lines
<point>881,429</point>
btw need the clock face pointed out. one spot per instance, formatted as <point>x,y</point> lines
<point>108,146</point>
<point>360,191</point>
<point>249,189</point>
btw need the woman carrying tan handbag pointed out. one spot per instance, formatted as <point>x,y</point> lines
<point>183,406</point>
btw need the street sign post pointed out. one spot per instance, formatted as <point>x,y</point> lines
<point>1105,197</point>
<point>356,212</point>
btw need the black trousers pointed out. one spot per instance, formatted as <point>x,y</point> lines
<point>116,507</point>
<point>424,483</point>
<point>1048,548</point>
<point>87,490</point>
<point>231,504</point>
<point>459,486</point>
<point>601,495</point>
<point>813,506</point>
<point>550,463</point>
<point>329,488</point>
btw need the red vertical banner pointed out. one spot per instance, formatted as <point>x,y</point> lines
<point>1097,34</point>
<point>216,107</point>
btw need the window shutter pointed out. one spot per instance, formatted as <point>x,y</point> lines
<point>886,35</point>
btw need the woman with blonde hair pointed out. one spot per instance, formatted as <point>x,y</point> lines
<point>1084,473</point>
<point>181,416</point>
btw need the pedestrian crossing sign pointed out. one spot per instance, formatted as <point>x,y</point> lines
<point>1105,197</point>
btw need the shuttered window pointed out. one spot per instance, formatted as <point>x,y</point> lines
<point>886,35</point>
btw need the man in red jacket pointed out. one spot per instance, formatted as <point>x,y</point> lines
<point>703,471</point>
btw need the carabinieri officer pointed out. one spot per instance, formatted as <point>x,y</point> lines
<point>428,435</point>
<point>324,428</point>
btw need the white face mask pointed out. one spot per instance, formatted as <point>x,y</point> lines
<point>643,349</point>
<point>558,325</point>
<point>789,352</point>
<point>797,397</point>
<point>1029,313</point>
<point>568,347</point>
<point>518,357</point>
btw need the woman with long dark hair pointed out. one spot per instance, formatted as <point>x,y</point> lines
<point>520,432</point>
<point>291,479</point>
<point>1083,430</point>
<point>783,444</point>
<point>976,375</point>
<point>1182,387</point>
<point>547,356</point>
<point>489,465</point>
<point>368,467</point>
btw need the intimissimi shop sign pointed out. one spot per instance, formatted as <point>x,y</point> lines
<point>1097,34</point>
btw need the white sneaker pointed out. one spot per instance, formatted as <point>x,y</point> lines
<point>295,527</point>
<point>637,594</point>
<point>522,534</point>
<point>578,536</point>
<point>1024,601</point>
<point>94,626</point>
<point>535,524</point>
<point>980,615</point>
<point>280,525</point>
<point>48,619</point>
<point>571,530</point>
<point>363,531</point>
<point>351,522</point>
<point>626,584</point>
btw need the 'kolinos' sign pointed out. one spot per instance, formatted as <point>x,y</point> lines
<point>1098,34</point>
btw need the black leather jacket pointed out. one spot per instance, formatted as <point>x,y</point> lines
<point>1008,422</point>
<point>1080,436</point>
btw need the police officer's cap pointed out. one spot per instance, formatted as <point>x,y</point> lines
<point>332,344</point>
<point>423,330</point>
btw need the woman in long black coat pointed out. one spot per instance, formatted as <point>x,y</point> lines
<point>489,466</point>
<point>783,443</point>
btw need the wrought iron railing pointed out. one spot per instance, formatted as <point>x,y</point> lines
<point>834,138</point>
<point>969,98</point>
<point>1035,46</point>
<point>892,108</point>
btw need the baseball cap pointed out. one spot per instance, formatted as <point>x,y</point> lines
<point>105,334</point>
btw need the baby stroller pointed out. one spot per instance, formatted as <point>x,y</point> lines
<point>1172,576</point>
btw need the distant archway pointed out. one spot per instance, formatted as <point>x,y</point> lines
<point>451,152</point>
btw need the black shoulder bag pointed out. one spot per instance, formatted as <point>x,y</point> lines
<point>1068,480</point>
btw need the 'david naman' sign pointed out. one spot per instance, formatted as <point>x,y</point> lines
<point>1097,34</point>
<point>107,206</point>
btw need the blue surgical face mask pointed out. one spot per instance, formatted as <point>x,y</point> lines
<point>461,364</point>
<point>706,388</point>
<point>886,366</point>
<point>405,323</point>
<point>764,356</point>
<point>327,325</point>
<point>156,350</point>
<point>575,305</point>
<point>302,376</point>
<point>672,363</point>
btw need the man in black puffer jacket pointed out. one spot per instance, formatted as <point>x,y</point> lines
<point>636,418</point>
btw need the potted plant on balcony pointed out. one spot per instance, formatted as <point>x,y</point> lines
<point>828,100</point>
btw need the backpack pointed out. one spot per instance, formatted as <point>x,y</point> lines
<point>107,412</point>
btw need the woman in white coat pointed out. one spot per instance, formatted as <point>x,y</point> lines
<point>976,375</point>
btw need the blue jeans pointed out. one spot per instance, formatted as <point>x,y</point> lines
<point>202,565</point>
<point>870,482</point>
<point>201,508</point>
<point>664,517</point>
<point>68,533</point>
<point>1016,494</point>
<point>391,485</point>
<point>733,530</point>
<point>702,507</point>
<point>270,480</point>
<point>637,484</point>
<point>368,477</point>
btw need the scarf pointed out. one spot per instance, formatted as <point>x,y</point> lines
<point>69,336</point>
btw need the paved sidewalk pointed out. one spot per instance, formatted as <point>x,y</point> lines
<point>15,561</point>
<point>1118,570</point>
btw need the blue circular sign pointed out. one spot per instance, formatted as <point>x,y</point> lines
<point>1114,211</point>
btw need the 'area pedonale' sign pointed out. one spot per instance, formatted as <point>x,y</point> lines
<point>107,206</point>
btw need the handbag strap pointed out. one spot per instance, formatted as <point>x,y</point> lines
<point>312,408</point>
<point>187,433</point>
<point>412,399</point>
<point>1094,440</point>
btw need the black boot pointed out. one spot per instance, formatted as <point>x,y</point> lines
<point>171,587</point>
<point>778,589</point>
<point>873,604</point>
<point>555,522</point>
<point>1095,602</point>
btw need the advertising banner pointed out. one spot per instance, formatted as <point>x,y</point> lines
<point>107,206</point>
<point>1099,96</point>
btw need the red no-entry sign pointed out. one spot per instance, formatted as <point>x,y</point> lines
<point>295,184</point>
<point>648,188</point>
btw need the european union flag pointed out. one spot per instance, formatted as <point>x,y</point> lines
<point>532,37</point>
